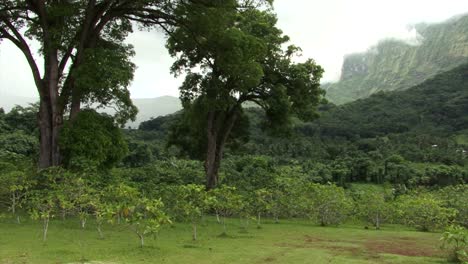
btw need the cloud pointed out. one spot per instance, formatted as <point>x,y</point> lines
<point>328,30</point>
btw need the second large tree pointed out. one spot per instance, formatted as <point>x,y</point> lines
<point>232,53</point>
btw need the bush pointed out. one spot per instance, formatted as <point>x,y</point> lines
<point>327,203</point>
<point>424,212</point>
<point>455,241</point>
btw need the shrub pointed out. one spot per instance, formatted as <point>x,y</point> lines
<point>455,241</point>
<point>424,212</point>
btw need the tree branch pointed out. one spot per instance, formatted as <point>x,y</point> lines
<point>24,47</point>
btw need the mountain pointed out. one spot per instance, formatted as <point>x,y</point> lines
<point>154,107</point>
<point>398,65</point>
<point>438,106</point>
<point>148,108</point>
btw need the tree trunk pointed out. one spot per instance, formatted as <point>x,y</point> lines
<point>259,221</point>
<point>45,228</point>
<point>13,203</point>
<point>101,235</point>
<point>217,217</point>
<point>377,221</point>
<point>224,225</point>
<point>50,115</point>
<point>217,135</point>
<point>83,223</point>
<point>211,133</point>
<point>194,232</point>
<point>142,240</point>
<point>75,107</point>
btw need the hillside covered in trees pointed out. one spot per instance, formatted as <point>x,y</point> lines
<point>422,130</point>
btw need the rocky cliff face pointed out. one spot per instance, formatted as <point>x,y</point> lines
<point>397,65</point>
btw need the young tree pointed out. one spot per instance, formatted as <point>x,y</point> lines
<point>327,203</point>
<point>80,42</point>
<point>456,197</point>
<point>424,212</point>
<point>239,51</point>
<point>372,207</point>
<point>15,184</point>
<point>191,201</point>
<point>146,217</point>
<point>455,241</point>
<point>43,206</point>
<point>261,203</point>
<point>225,202</point>
<point>120,198</point>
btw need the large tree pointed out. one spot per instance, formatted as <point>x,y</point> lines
<point>85,59</point>
<point>232,53</point>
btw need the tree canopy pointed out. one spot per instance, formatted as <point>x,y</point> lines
<point>237,56</point>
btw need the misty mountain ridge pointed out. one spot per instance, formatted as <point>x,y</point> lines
<point>398,65</point>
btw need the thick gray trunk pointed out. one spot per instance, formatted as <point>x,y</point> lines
<point>50,117</point>
<point>217,135</point>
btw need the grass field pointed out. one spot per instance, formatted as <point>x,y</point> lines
<point>286,242</point>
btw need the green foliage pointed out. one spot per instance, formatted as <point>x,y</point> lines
<point>328,204</point>
<point>152,177</point>
<point>456,197</point>
<point>22,118</point>
<point>14,188</point>
<point>424,212</point>
<point>120,198</point>
<point>372,207</point>
<point>260,203</point>
<point>104,77</point>
<point>226,202</point>
<point>20,143</point>
<point>455,241</point>
<point>189,202</point>
<point>145,217</point>
<point>248,173</point>
<point>242,57</point>
<point>92,141</point>
<point>139,155</point>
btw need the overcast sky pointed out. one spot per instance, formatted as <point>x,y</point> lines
<point>325,29</point>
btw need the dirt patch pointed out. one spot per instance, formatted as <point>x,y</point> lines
<point>404,247</point>
<point>311,239</point>
<point>292,245</point>
<point>269,259</point>
<point>355,251</point>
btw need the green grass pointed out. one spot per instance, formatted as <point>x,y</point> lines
<point>287,242</point>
